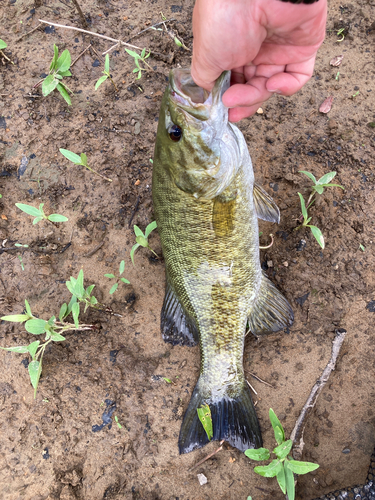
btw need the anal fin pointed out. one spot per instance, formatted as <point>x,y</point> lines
<point>271,311</point>
<point>265,207</point>
<point>177,327</point>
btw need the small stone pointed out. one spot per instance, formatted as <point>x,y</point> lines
<point>336,61</point>
<point>137,182</point>
<point>202,479</point>
<point>137,128</point>
<point>91,117</point>
<point>346,451</point>
<point>269,263</point>
<point>332,124</point>
<point>326,106</point>
<point>259,111</point>
<point>285,264</point>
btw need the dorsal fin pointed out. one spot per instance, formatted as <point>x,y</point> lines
<point>265,207</point>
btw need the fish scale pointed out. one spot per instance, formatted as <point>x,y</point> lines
<point>207,207</point>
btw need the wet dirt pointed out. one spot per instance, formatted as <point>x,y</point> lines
<point>66,444</point>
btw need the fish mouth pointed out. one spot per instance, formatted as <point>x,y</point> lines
<point>194,99</point>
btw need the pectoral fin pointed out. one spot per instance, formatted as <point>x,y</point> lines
<point>265,207</point>
<point>271,311</point>
<point>177,327</point>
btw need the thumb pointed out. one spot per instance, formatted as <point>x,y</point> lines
<point>203,72</point>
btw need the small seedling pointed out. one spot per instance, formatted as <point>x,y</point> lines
<point>168,380</point>
<point>3,45</point>
<point>283,466</point>
<point>142,239</point>
<point>340,33</point>
<point>355,95</point>
<point>21,262</point>
<point>117,422</point>
<point>137,58</point>
<point>80,160</point>
<point>53,329</point>
<point>318,187</point>
<point>337,76</point>
<point>362,247</point>
<point>204,415</point>
<point>112,276</point>
<point>106,74</point>
<point>58,69</point>
<point>39,214</point>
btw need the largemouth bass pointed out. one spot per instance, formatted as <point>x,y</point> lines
<point>206,206</point>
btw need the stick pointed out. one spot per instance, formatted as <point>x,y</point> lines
<point>90,33</point>
<point>259,379</point>
<point>95,249</point>
<point>81,54</point>
<point>81,14</point>
<point>28,33</point>
<point>208,456</point>
<point>150,27</point>
<point>251,387</point>
<point>297,432</point>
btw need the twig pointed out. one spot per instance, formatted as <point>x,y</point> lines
<point>251,387</point>
<point>95,249</point>
<point>208,456</point>
<point>259,379</point>
<point>100,57</point>
<point>28,33</point>
<point>81,54</point>
<point>81,14</point>
<point>7,58</point>
<point>150,28</point>
<point>297,432</point>
<point>90,33</point>
<point>270,245</point>
<point>134,211</point>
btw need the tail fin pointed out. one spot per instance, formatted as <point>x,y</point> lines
<point>233,419</point>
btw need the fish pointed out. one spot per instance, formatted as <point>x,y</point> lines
<point>206,206</point>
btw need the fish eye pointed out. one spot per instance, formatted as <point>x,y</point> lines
<point>175,133</point>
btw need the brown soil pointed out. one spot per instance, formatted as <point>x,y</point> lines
<point>50,447</point>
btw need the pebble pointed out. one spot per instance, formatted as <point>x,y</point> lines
<point>259,111</point>
<point>137,128</point>
<point>202,479</point>
<point>285,264</point>
<point>269,263</point>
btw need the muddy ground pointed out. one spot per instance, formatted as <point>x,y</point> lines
<point>66,444</point>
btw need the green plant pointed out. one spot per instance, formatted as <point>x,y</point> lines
<point>142,239</point>
<point>341,33</point>
<point>58,69</point>
<point>39,214</point>
<point>111,276</point>
<point>80,160</point>
<point>137,58</point>
<point>106,74</point>
<point>283,467</point>
<point>204,415</point>
<point>317,187</point>
<point>52,328</point>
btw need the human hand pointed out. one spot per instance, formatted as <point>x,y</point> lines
<point>269,45</point>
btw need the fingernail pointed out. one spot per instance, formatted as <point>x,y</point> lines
<point>276,91</point>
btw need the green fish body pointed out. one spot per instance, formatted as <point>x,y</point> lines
<point>206,206</point>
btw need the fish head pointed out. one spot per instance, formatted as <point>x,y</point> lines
<point>195,141</point>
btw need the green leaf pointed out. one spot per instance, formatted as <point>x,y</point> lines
<point>75,313</point>
<point>280,476</point>
<point>63,312</point>
<point>3,45</point>
<point>122,266</point>
<point>301,467</point>
<point>317,235</point>
<point>135,70</point>
<point>59,77</point>
<point>124,280</point>
<point>139,75</point>
<point>303,206</point>
<point>259,454</point>
<point>35,370</point>
<point>110,276</point>
<point>277,427</point>
<point>84,159</point>
<point>55,56</point>
<point>309,175</point>
<point>204,415</point>
<point>132,53</point>
<point>113,289</point>
<point>289,479</point>
<point>177,42</point>
<point>79,284</point>
<point>93,300</point>
<point>28,309</point>
<point>134,248</point>
<point>89,289</point>
<point>137,64</point>
<point>283,449</point>
<point>65,73</point>
<point>318,189</point>
<point>270,470</point>
<point>22,349</point>
<point>327,178</point>
<point>141,240</point>
<point>61,88</point>
<point>106,63</point>
<point>35,326</point>
<point>73,300</point>
<point>63,62</point>
<point>28,209</point>
<point>16,318</point>
<point>57,218</point>
<point>333,185</point>
<point>143,53</point>
<point>150,228</point>
<point>71,156</point>
<point>33,347</point>
<point>52,320</point>
<point>100,81</point>
<point>56,337</point>
<point>38,219</point>
<point>49,85</point>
